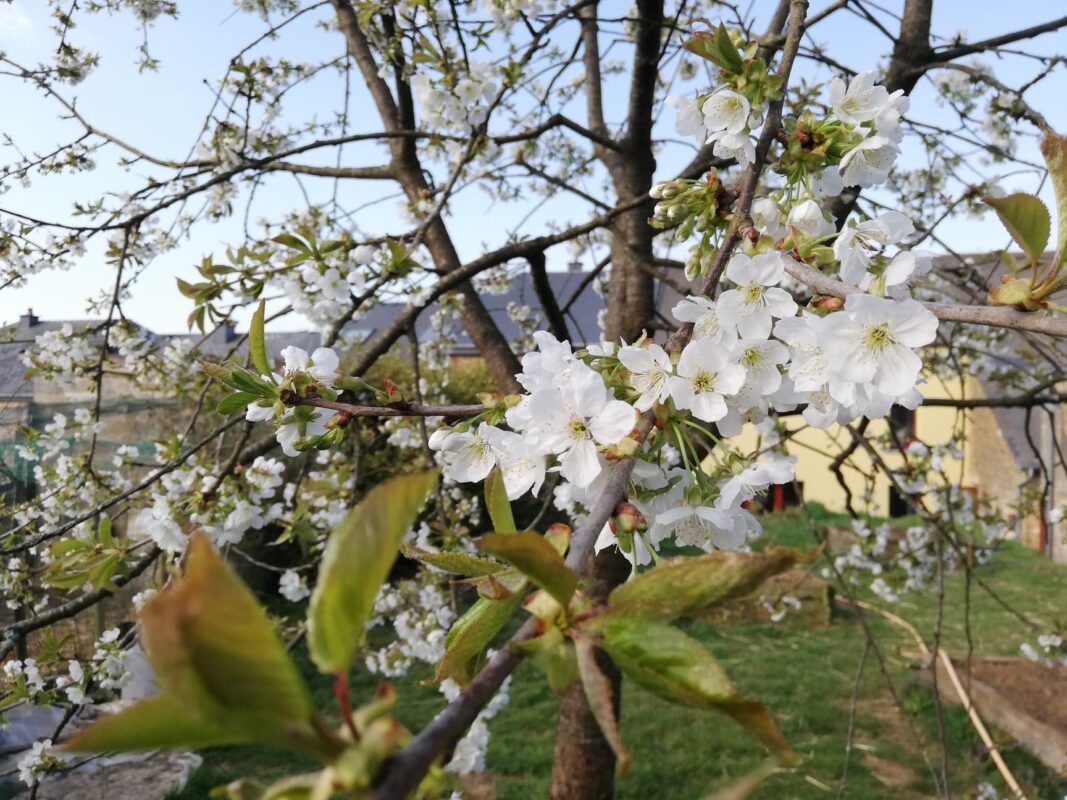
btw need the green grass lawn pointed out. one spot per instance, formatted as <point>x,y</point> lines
<point>804,674</point>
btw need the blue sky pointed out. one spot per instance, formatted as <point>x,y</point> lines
<point>162,113</point>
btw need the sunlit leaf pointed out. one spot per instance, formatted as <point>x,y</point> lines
<point>1026,219</point>
<point>716,47</point>
<point>535,558</point>
<point>496,500</point>
<point>678,668</point>
<point>224,674</point>
<point>356,562</point>
<point>1054,149</point>
<point>693,584</point>
<point>453,561</point>
<point>235,402</point>
<point>257,342</point>
<point>471,634</point>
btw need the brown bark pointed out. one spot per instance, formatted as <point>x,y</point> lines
<point>399,114</point>
<point>631,289</point>
<point>583,765</point>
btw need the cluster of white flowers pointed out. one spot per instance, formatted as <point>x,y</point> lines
<point>293,587</point>
<point>727,119</point>
<point>469,753</point>
<point>239,505</point>
<point>295,424</point>
<point>1049,650</point>
<point>61,355</point>
<point>37,761</point>
<point>462,106</point>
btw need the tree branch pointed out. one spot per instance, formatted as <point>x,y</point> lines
<point>991,316</point>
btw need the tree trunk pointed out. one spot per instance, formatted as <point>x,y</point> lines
<point>583,764</point>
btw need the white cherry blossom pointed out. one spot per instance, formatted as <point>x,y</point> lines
<point>874,341</point>
<point>868,163</point>
<point>757,299</point>
<point>700,311</point>
<point>809,218</point>
<point>705,374</point>
<point>859,243</point>
<point>726,111</point>
<point>571,420</point>
<point>861,101</point>
<point>650,367</point>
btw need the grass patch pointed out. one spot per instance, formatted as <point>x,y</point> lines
<point>805,675</point>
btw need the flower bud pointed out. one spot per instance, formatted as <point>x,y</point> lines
<point>627,519</point>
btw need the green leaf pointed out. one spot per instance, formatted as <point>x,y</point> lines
<point>717,48</point>
<point>158,721</point>
<point>235,402</point>
<point>676,667</point>
<point>496,500</point>
<point>598,692</point>
<point>245,381</point>
<point>294,242</point>
<point>103,532</point>
<point>555,654</point>
<point>471,634</point>
<point>1026,219</point>
<point>356,562</point>
<point>455,562</point>
<point>257,343</point>
<point>225,676</point>
<point>1054,149</point>
<point>691,584</point>
<point>535,558</point>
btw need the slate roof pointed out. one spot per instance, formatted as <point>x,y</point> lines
<point>582,302</point>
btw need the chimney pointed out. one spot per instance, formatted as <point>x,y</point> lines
<point>229,333</point>
<point>574,266</point>
<point>29,319</point>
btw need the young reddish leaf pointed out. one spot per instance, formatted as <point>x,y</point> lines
<point>224,675</point>
<point>598,691</point>
<point>471,634</point>
<point>496,500</point>
<point>689,585</point>
<point>676,667</point>
<point>257,341</point>
<point>1026,219</point>
<point>356,562</point>
<point>534,557</point>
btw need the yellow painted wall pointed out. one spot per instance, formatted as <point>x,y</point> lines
<point>816,449</point>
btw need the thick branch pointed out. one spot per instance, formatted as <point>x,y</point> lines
<point>998,41</point>
<point>395,410</point>
<point>557,325</point>
<point>366,173</point>
<point>991,316</point>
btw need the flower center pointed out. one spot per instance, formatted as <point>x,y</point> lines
<point>879,338</point>
<point>752,357</point>
<point>704,381</point>
<point>578,428</point>
<point>753,295</point>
